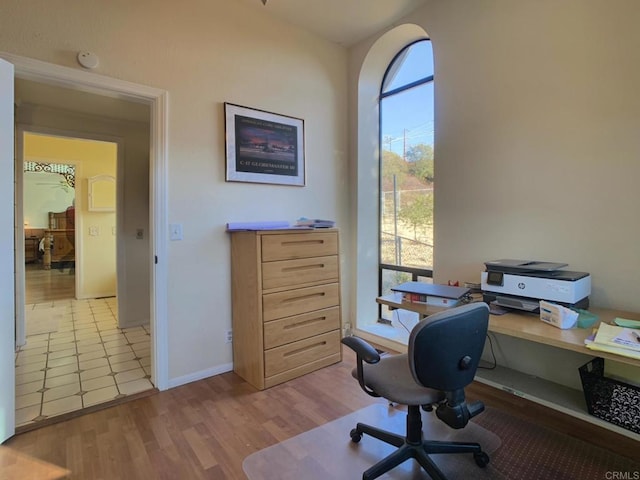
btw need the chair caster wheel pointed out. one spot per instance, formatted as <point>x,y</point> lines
<point>355,436</point>
<point>481,458</point>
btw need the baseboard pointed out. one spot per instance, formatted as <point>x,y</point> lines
<point>193,377</point>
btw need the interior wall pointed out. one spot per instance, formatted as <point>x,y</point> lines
<point>535,137</point>
<point>44,193</point>
<point>204,55</point>
<point>536,118</point>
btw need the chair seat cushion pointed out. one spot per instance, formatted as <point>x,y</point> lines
<point>391,378</point>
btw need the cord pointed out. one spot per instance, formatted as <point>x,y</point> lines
<point>493,355</point>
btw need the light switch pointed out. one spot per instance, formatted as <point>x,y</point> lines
<point>175,231</point>
<point>94,231</point>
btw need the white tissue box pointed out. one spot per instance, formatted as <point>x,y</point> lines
<point>557,315</point>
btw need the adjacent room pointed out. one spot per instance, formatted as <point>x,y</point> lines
<point>431,136</point>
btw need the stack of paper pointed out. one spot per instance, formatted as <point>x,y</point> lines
<point>618,340</point>
<point>259,225</point>
<point>315,223</point>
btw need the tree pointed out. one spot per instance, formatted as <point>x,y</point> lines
<point>421,151</point>
<point>421,161</point>
<point>418,212</point>
<point>423,169</point>
<point>393,164</point>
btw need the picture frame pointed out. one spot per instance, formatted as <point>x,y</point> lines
<point>263,147</point>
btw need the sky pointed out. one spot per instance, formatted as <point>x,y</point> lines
<point>407,118</point>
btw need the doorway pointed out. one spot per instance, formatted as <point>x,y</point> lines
<point>106,88</point>
<point>75,354</point>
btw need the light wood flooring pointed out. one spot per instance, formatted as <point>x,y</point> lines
<point>42,285</point>
<point>205,429</point>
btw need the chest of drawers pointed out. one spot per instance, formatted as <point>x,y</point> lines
<point>285,303</point>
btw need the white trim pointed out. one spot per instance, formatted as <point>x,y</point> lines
<point>159,226</point>
<point>365,195</point>
<point>20,274</point>
<point>194,377</point>
<point>7,256</point>
<point>51,74</point>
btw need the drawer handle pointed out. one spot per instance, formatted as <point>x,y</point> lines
<point>304,297</point>
<point>306,322</point>
<point>300,350</point>
<point>304,267</point>
<point>302,242</point>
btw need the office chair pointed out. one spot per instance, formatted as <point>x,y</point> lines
<point>443,354</point>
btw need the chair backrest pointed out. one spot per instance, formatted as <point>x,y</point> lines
<point>445,348</point>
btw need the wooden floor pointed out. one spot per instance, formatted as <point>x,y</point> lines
<point>46,285</point>
<point>205,429</point>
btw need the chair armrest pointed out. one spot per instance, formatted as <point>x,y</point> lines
<point>364,352</point>
<point>363,349</point>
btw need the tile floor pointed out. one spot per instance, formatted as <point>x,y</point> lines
<point>88,360</point>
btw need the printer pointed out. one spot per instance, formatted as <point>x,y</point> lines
<point>521,284</point>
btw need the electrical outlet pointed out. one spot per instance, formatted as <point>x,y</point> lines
<point>229,337</point>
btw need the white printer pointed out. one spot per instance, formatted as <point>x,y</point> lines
<point>521,284</point>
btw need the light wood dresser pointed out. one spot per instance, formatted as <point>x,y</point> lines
<point>285,303</point>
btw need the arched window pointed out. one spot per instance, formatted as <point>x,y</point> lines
<point>406,168</point>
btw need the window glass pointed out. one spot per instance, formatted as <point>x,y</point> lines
<point>407,167</point>
<point>413,63</point>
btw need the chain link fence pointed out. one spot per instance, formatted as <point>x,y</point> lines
<point>399,250</point>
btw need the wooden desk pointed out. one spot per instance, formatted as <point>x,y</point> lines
<point>528,326</point>
<point>31,245</point>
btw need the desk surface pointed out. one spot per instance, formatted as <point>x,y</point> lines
<point>529,327</point>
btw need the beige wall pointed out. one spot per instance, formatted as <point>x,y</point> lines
<point>205,53</point>
<point>537,120</point>
<point>43,193</point>
<point>538,113</point>
<point>536,145</point>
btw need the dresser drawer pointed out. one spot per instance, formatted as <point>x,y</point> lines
<point>292,355</point>
<point>298,245</point>
<point>300,300</point>
<point>298,327</point>
<point>295,272</point>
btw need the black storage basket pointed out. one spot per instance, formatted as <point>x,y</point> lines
<point>611,400</point>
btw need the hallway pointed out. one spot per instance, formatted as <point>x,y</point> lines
<point>76,356</point>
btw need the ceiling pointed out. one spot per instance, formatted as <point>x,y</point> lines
<point>28,92</point>
<point>344,22</point>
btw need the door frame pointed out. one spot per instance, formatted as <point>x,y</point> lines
<point>20,268</point>
<point>157,99</point>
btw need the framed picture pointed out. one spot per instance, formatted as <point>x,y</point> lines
<point>263,147</point>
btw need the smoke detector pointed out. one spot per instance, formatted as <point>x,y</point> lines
<point>88,59</point>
